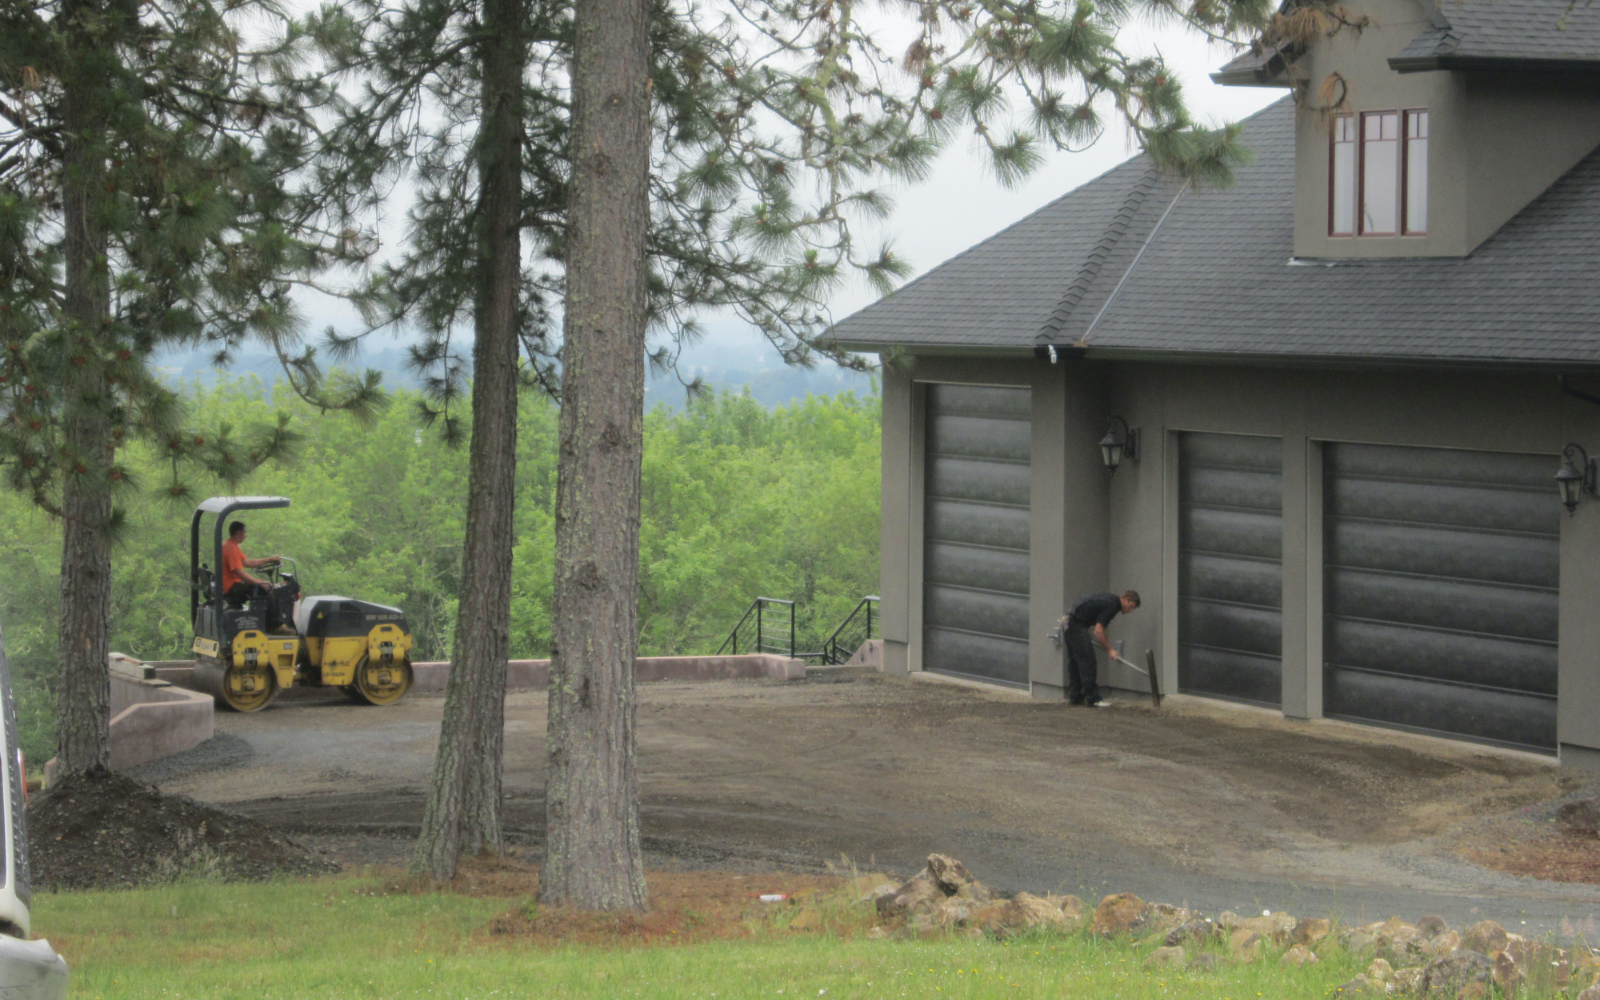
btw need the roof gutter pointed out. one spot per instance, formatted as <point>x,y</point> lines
<point>1254,359</point>
<point>1492,64</point>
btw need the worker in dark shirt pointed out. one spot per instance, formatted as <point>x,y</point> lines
<point>1085,628</point>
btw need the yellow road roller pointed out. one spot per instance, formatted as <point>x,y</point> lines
<point>251,642</point>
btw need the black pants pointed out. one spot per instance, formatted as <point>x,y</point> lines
<point>1081,666</point>
<point>243,593</point>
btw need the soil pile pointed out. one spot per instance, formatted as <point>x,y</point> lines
<point>100,830</point>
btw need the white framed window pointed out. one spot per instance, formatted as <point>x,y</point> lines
<point>1416,172</point>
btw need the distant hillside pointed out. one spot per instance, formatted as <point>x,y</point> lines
<point>769,383</point>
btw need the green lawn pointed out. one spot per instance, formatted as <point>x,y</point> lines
<point>344,937</point>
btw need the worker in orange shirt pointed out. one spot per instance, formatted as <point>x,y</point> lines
<point>239,586</point>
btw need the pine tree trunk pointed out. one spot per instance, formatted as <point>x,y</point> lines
<point>463,810</point>
<point>83,690</point>
<point>592,857</point>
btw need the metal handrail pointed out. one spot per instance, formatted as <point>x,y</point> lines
<point>756,608</point>
<point>831,649</point>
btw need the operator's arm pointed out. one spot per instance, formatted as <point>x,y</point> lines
<point>247,578</point>
<point>1103,640</point>
<point>263,561</point>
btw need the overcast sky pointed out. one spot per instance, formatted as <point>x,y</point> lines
<point>961,203</point>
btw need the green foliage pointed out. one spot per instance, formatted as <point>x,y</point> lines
<point>738,500</point>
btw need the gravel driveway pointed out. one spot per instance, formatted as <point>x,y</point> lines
<point>1215,806</point>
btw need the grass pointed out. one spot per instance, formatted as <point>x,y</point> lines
<point>351,937</point>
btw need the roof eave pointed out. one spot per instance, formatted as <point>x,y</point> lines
<point>1492,64</point>
<point>1252,358</point>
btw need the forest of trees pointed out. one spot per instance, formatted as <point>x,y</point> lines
<point>739,499</point>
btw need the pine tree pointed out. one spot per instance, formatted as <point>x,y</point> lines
<point>144,203</point>
<point>769,124</point>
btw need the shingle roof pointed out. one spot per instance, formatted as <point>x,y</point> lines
<point>1135,262</point>
<point>1485,32</point>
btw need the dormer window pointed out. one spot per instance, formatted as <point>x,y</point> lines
<point>1379,180</point>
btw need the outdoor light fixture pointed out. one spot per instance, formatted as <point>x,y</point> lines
<point>1575,480</point>
<point>1118,443</point>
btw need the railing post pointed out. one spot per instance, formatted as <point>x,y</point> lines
<point>869,620</point>
<point>760,635</point>
<point>791,631</point>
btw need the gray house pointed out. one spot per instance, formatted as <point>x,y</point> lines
<point>1345,387</point>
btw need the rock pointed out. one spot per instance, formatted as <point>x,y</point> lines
<point>1203,963</point>
<point>1380,971</point>
<point>1544,967</point>
<point>1195,930</point>
<point>1163,918</point>
<point>948,873</point>
<point>1299,955</point>
<point>1071,909</point>
<point>1443,944</point>
<point>1118,914</point>
<point>1582,816</point>
<point>918,894</point>
<point>1473,991</point>
<point>1358,941</point>
<point>1360,986</point>
<point>1445,977</point>
<point>1406,982</point>
<point>1431,926</point>
<point>1506,974</point>
<point>1310,930</point>
<point>876,933</point>
<point>1246,945</point>
<point>1592,993</point>
<point>1023,912</point>
<point>1173,957</point>
<point>1485,937</point>
<point>953,911</point>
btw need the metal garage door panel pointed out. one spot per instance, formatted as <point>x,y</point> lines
<point>1430,602</point>
<point>1244,677</point>
<point>976,532</point>
<point>1506,558</point>
<point>1230,571</point>
<point>1460,656</point>
<point>968,566</point>
<point>1234,532</point>
<point>973,479</point>
<point>950,652</point>
<point>978,524</point>
<point>1003,615</point>
<point>1442,569</point>
<point>1494,716</point>
<point>1257,582</point>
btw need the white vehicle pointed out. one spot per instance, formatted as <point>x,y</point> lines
<point>29,970</point>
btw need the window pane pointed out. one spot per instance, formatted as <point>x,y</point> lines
<point>1416,171</point>
<point>1380,172</point>
<point>1344,188</point>
<point>1342,216</point>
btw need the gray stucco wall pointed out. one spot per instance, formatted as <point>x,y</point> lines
<point>1091,531</point>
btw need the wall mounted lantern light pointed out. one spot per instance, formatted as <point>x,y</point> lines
<point>1575,479</point>
<point>1120,442</point>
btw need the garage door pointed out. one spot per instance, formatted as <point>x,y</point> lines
<point>975,556</point>
<point>1230,567</point>
<point>1442,576</point>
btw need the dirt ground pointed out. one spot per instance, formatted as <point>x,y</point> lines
<point>1216,806</point>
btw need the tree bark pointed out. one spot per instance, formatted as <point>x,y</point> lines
<point>463,810</point>
<point>592,857</point>
<point>83,690</point>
